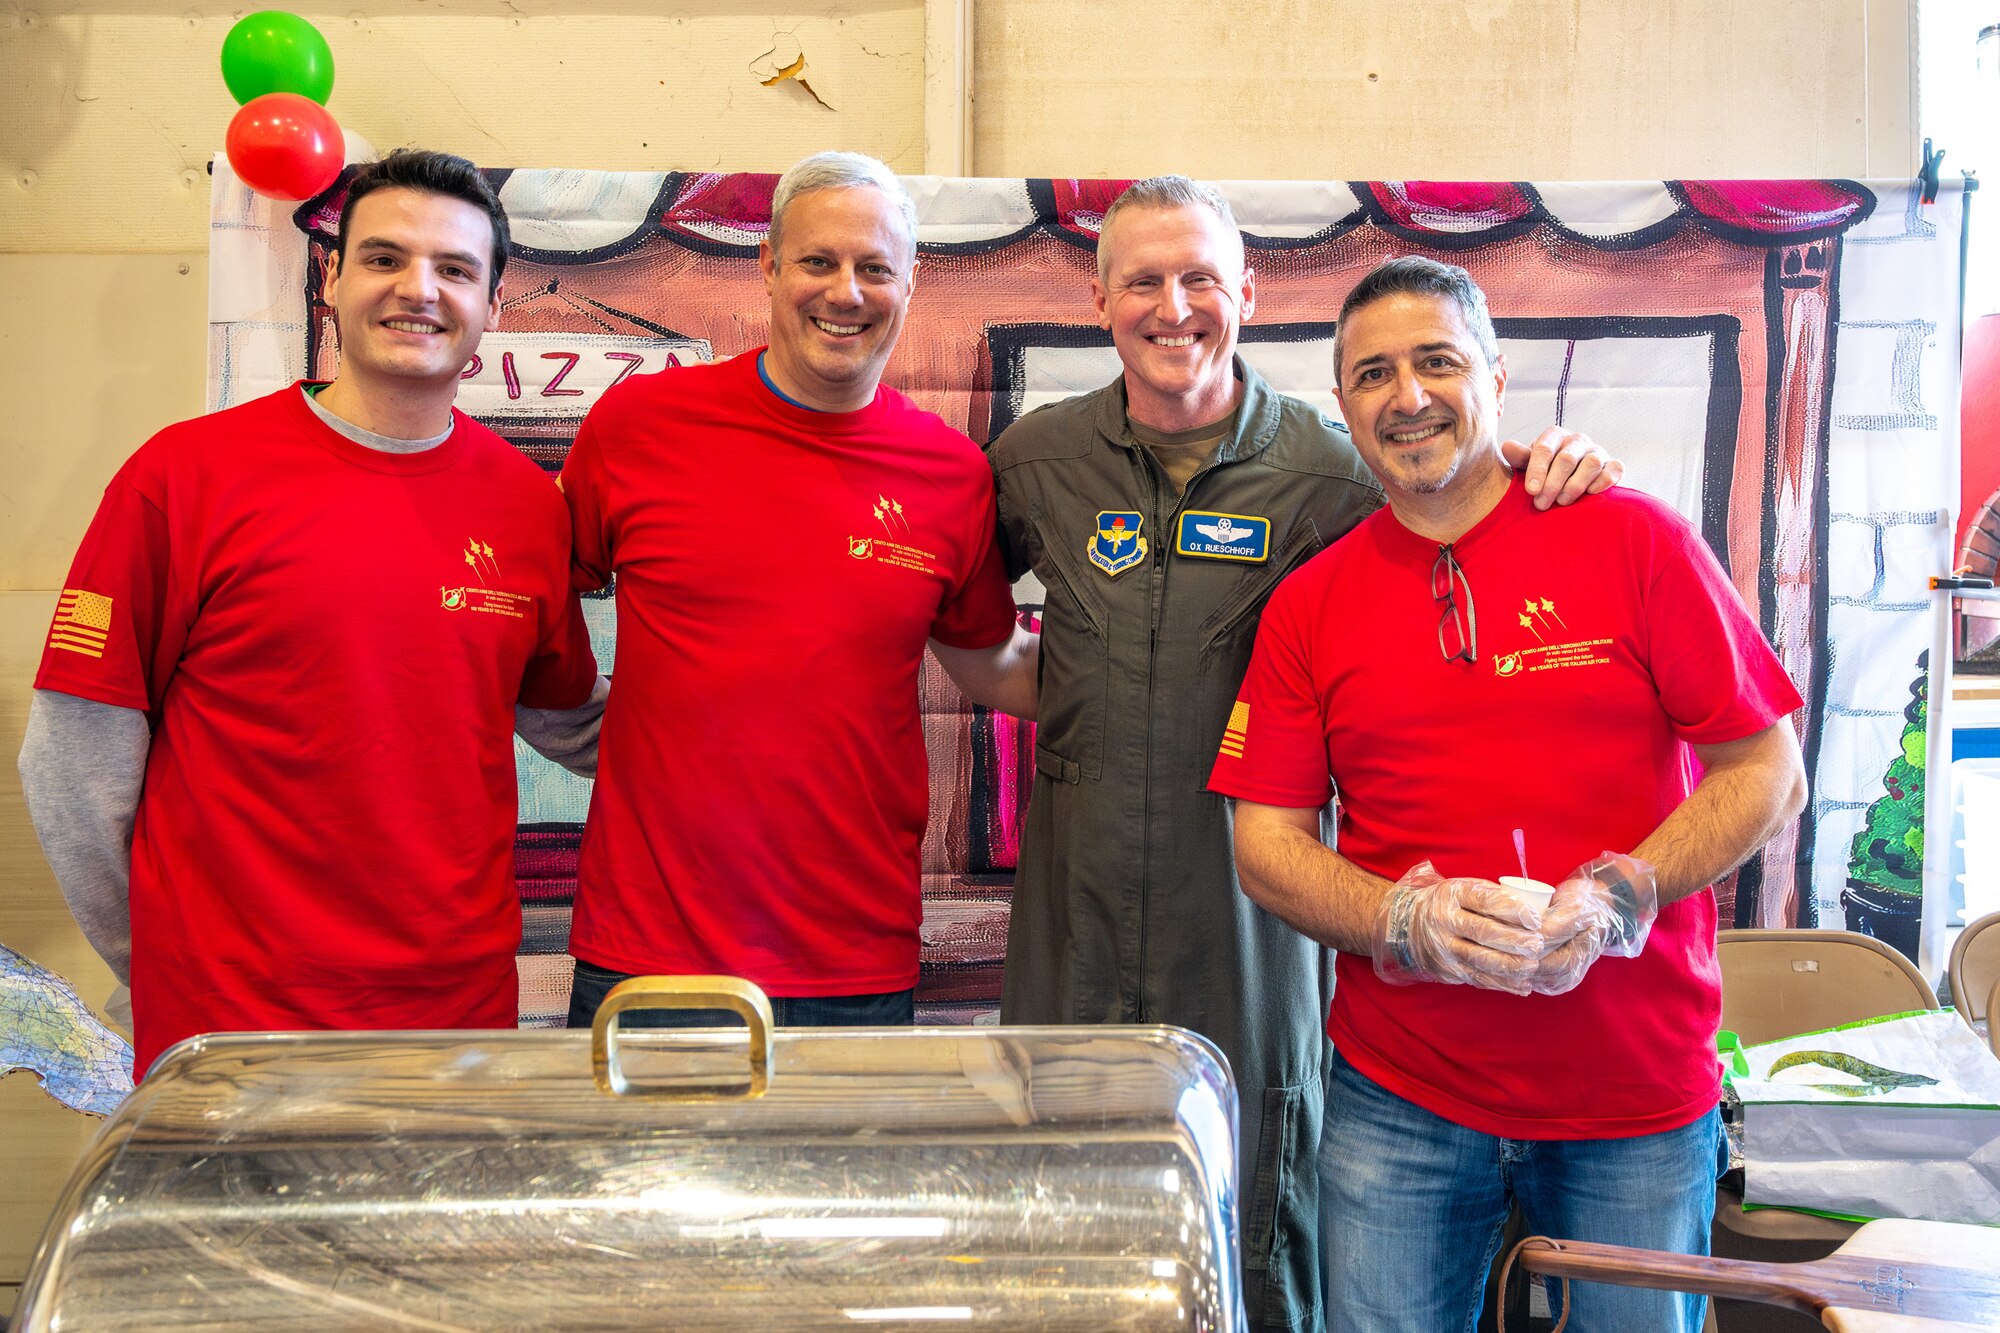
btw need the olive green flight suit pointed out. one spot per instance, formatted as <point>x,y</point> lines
<point>1126,907</point>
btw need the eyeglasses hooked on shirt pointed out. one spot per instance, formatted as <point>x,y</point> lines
<point>1458,627</point>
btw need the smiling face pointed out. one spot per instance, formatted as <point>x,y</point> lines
<point>410,294</point>
<point>840,282</point>
<point>1173,293</point>
<point>1420,397</point>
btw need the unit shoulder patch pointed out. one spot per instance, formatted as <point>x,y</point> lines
<point>1116,545</point>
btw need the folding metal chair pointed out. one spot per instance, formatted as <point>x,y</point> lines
<point>1780,983</point>
<point>1975,967</point>
<point>1993,1012</point>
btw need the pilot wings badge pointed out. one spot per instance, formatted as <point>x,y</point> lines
<point>1117,546</point>
<point>1245,537</point>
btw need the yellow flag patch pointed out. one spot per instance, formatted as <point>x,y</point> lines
<point>1234,734</point>
<point>82,623</point>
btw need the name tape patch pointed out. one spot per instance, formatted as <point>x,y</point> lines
<point>1224,536</point>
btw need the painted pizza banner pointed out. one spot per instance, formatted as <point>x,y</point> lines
<point>1778,359</point>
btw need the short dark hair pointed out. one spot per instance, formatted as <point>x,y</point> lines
<point>433,173</point>
<point>1414,275</point>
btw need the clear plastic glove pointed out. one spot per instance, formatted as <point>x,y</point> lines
<point>1605,906</point>
<point>1468,932</point>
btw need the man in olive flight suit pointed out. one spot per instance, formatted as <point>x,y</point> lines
<point>1159,512</point>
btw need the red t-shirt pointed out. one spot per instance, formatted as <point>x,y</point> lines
<point>761,782</point>
<point>328,642</point>
<point>1609,641</point>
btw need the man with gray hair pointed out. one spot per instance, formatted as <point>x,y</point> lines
<point>1159,513</point>
<point>785,535</point>
<point>1491,1049</point>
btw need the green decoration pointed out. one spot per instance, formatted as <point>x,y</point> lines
<point>275,52</point>
<point>1888,852</point>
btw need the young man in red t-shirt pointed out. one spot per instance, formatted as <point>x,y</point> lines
<point>785,533</point>
<point>270,752</point>
<point>1488,1052</point>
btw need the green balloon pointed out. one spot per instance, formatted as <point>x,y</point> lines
<point>275,52</point>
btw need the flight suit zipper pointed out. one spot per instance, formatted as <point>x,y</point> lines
<point>1155,472</point>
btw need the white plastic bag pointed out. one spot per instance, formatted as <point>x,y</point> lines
<point>1894,1117</point>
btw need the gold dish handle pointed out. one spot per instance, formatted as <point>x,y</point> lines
<point>732,993</point>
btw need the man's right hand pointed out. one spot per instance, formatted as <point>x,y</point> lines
<point>1463,931</point>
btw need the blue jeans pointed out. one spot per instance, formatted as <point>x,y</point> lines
<point>1412,1207</point>
<point>896,1008</point>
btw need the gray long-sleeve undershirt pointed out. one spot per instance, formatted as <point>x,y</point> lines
<point>83,766</point>
<point>566,736</point>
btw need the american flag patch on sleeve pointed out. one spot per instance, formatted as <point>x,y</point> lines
<point>82,623</point>
<point>1233,734</point>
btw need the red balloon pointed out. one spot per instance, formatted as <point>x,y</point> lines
<point>285,146</point>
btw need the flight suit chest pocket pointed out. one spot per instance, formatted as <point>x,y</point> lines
<point>1065,576</point>
<point>1076,658</point>
<point>1242,605</point>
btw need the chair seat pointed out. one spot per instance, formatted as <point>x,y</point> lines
<point>1777,1223</point>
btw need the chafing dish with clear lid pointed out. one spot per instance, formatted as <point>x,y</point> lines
<point>741,1178</point>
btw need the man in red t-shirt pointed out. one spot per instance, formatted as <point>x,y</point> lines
<point>784,535</point>
<point>1489,1051</point>
<point>270,753</point>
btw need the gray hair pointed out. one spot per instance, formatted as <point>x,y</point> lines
<point>841,171</point>
<point>1162,192</point>
<point>1414,275</point>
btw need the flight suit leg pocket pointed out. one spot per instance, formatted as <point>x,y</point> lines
<point>1281,1213</point>
<point>1056,768</point>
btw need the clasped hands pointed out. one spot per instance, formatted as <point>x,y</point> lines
<point>1473,932</point>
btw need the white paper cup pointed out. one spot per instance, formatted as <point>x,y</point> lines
<point>1531,891</point>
